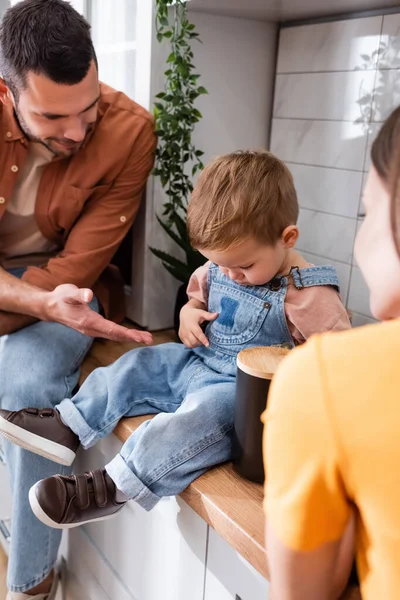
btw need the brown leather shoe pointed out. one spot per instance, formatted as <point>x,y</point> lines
<point>41,432</point>
<point>64,502</point>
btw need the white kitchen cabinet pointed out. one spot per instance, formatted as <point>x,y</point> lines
<point>90,576</point>
<point>229,576</point>
<point>138,555</point>
<point>5,503</point>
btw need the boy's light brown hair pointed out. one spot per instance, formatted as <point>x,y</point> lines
<point>241,195</point>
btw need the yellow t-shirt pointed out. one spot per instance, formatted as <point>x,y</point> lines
<point>332,438</point>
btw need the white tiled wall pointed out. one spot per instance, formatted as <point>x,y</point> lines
<point>336,82</point>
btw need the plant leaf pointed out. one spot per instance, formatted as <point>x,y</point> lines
<point>181,275</point>
<point>167,258</point>
<point>182,242</point>
<point>180,225</point>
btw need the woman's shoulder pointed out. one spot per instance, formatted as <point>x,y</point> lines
<point>346,355</point>
<point>376,338</point>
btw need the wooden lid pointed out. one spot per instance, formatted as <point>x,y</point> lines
<point>261,361</point>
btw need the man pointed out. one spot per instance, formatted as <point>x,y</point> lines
<point>74,159</point>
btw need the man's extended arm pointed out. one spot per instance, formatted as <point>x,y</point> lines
<point>22,304</point>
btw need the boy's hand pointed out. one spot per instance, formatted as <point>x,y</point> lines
<point>190,332</point>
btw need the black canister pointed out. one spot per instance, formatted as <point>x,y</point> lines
<point>255,369</point>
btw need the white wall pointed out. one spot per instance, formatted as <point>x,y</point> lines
<point>237,65</point>
<point>237,60</point>
<point>336,82</point>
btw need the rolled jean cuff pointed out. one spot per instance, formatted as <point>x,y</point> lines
<point>73,418</point>
<point>130,484</point>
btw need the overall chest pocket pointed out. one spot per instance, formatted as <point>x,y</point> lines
<point>241,315</point>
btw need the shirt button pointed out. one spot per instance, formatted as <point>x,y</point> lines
<point>122,219</point>
<point>14,168</point>
<point>267,305</point>
<point>9,134</point>
<point>2,200</point>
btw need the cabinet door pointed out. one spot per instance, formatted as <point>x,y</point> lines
<point>229,576</point>
<point>90,577</point>
<point>5,503</point>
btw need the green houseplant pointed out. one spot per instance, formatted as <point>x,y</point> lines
<point>177,159</point>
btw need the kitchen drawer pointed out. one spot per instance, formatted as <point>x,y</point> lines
<point>157,554</point>
<point>229,576</point>
<point>90,577</point>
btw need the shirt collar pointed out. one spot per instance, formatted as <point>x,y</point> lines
<point>11,129</point>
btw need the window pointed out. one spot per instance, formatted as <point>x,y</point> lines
<point>114,37</point>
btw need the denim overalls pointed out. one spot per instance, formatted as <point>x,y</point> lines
<point>192,392</point>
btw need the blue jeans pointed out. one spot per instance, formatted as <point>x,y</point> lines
<point>190,433</point>
<point>39,366</point>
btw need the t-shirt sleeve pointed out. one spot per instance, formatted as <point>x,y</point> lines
<point>198,284</point>
<point>314,310</point>
<point>305,501</point>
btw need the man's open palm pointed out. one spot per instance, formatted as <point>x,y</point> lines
<point>68,305</point>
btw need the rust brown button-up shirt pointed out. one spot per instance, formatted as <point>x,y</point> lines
<point>86,203</point>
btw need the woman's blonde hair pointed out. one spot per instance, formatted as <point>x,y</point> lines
<point>241,195</point>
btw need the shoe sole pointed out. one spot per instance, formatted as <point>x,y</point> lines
<point>36,444</point>
<point>44,518</point>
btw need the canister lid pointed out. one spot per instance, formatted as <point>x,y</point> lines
<point>261,361</point>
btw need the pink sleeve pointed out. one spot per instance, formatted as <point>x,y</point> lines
<point>197,288</point>
<point>314,310</point>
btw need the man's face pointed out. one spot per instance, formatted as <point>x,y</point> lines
<point>58,116</point>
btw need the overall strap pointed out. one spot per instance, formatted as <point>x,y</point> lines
<point>311,276</point>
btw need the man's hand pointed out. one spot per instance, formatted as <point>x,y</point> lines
<point>68,305</point>
<point>191,317</point>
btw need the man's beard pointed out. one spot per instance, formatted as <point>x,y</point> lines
<point>47,142</point>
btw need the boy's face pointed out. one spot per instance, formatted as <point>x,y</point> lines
<point>376,252</point>
<point>252,263</point>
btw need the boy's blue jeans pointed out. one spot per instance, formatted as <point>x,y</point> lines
<point>190,433</point>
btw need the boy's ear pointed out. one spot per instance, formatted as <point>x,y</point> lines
<point>290,236</point>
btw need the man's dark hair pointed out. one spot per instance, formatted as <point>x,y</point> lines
<point>48,37</point>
